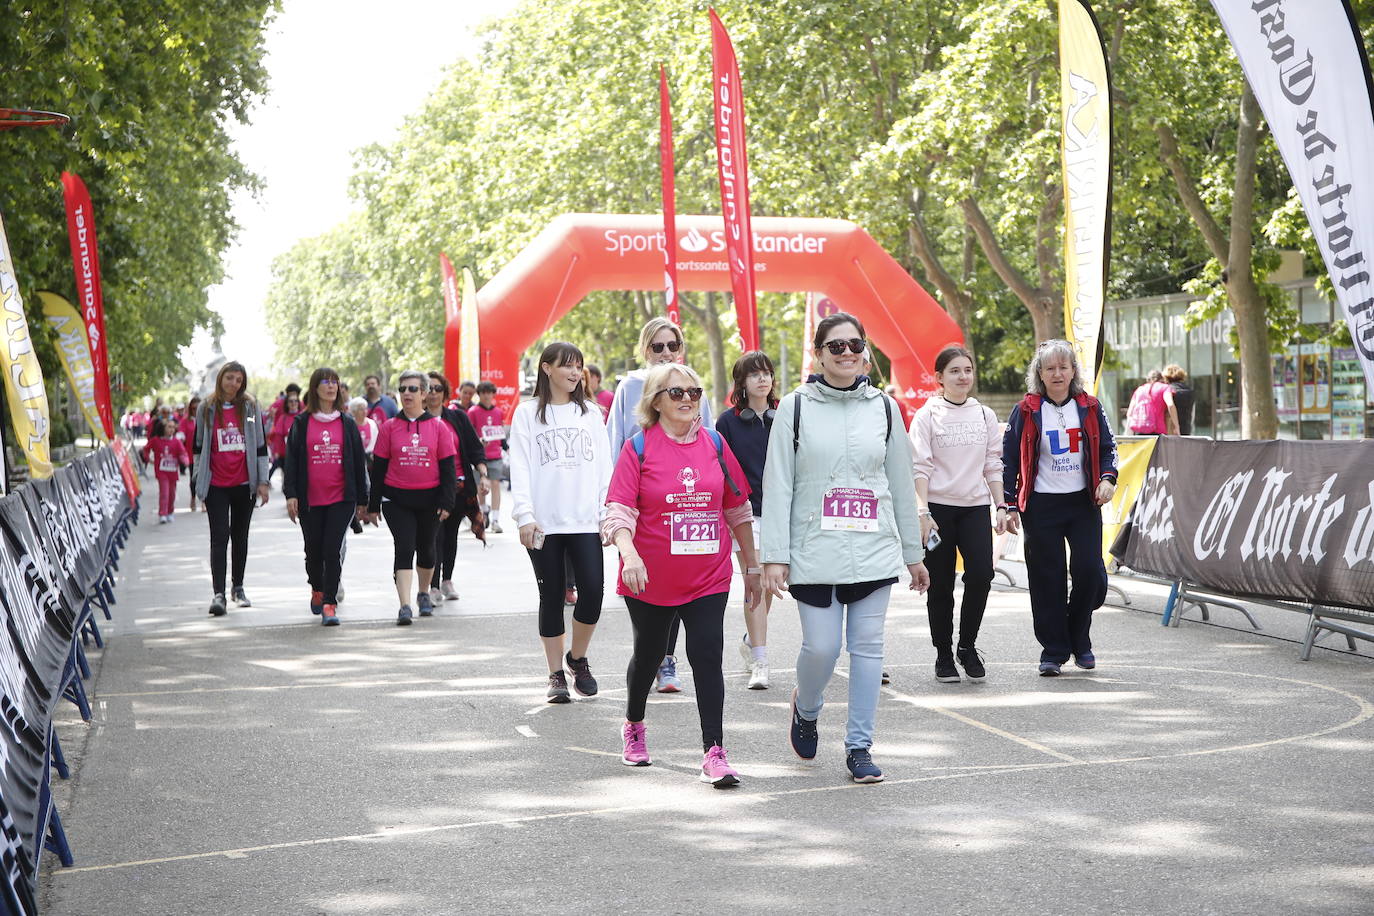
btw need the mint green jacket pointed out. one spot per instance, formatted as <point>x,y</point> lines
<point>841,445</point>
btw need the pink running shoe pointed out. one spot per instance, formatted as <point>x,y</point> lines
<point>716,770</point>
<point>636,754</point>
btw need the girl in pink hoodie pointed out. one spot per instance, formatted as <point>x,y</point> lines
<point>168,456</point>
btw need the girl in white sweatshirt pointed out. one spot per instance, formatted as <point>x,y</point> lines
<point>560,467</point>
<point>957,460</point>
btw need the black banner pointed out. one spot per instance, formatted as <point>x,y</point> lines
<point>1283,520</point>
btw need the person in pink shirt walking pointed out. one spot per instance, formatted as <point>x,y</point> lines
<point>676,497</point>
<point>168,456</point>
<point>489,421</point>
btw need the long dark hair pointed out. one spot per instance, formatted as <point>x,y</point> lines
<point>558,353</point>
<point>753,361</point>
<point>312,397</point>
<point>240,400</point>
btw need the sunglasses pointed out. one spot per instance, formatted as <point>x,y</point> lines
<point>836,347</point>
<point>672,345</point>
<point>437,389</point>
<point>680,394</point>
<point>409,389</point>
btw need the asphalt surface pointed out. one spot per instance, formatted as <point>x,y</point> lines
<point>262,764</point>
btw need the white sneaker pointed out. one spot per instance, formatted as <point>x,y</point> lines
<point>495,527</point>
<point>449,592</point>
<point>746,652</point>
<point>758,676</point>
<point>435,596</point>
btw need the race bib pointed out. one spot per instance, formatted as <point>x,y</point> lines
<point>695,533</point>
<point>168,462</point>
<point>230,439</point>
<point>493,433</point>
<point>849,509</point>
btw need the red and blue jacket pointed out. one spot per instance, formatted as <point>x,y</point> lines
<point>1021,447</point>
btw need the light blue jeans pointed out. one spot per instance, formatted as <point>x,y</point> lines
<point>861,623</point>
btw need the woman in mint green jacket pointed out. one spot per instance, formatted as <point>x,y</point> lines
<point>839,523</point>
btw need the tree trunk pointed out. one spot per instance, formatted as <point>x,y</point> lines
<point>957,302</point>
<point>1044,304</point>
<point>1258,418</point>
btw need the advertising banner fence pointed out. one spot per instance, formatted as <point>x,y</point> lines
<point>1280,520</point>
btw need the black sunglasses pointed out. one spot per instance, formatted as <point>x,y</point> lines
<point>677,393</point>
<point>749,413</point>
<point>409,389</point>
<point>836,347</point>
<point>437,389</point>
<point>672,345</point>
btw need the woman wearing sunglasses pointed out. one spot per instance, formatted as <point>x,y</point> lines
<point>660,343</point>
<point>839,523</point>
<point>415,484</point>
<point>676,495</point>
<point>559,469</point>
<point>745,426</point>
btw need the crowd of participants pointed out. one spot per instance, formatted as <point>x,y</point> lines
<point>826,494</point>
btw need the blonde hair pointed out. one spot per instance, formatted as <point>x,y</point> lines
<point>651,329</point>
<point>654,382</point>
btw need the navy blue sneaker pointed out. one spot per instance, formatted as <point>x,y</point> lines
<point>1049,669</point>
<point>803,733</point>
<point>861,765</point>
<point>403,616</point>
<point>1085,660</point>
<point>424,605</point>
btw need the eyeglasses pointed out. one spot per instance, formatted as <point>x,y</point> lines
<point>437,389</point>
<point>329,381</point>
<point>836,347</point>
<point>678,394</point>
<point>409,389</point>
<point>749,413</point>
<point>672,345</point>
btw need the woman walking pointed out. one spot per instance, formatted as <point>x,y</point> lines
<point>325,484</point>
<point>839,523</point>
<point>472,471</point>
<point>415,484</point>
<point>230,469</point>
<point>956,443</point>
<point>560,466</point>
<point>1058,470</point>
<point>745,426</point>
<point>676,491</point>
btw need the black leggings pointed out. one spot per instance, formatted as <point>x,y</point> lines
<point>968,530</point>
<point>704,620</point>
<point>412,523</point>
<point>323,528</point>
<point>446,546</point>
<point>231,512</point>
<point>583,553</point>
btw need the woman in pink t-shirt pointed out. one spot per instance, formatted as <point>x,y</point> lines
<point>676,497</point>
<point>186,432</point>
<point>325,483</point>
<point>415,484</point>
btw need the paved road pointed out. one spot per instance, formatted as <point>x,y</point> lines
<point>261,764</point>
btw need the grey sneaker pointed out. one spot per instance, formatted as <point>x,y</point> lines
<point>218,607</point>
<point>424,604</point>
<point>403,616</point>
<point>240,597</point>
<point>583,682</point>
<point>558,688</point>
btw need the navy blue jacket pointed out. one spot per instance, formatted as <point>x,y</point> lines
<point>748,439</point>
<point>1021,451</point>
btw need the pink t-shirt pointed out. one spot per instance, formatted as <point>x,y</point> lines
<point>366,430</point>
<point>605,399</point>
<point>414,450</point>
<point>681,496</point>
<point>166,456</point>
<point>228,450</point>
<point>488,423</point>
<point>324,445</point>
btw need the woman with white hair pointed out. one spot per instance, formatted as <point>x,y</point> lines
<point>675,498</point>
<point>1058,470</point>
<point>367,427</point>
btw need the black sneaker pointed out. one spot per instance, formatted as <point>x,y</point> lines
<point>403,616</point>
<point>887,678</point>
<point>861,765</point>
<point>218,606</point>
<point>240,598</point>
<point>972,662</point>
<point>945,672</point>
<point>558,688</point>
<point>583,682</point>
<point>356,526</point>
<point>803,733</point>
<point>424,605</point>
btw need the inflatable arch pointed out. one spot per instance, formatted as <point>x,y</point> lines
<point>579,253</point>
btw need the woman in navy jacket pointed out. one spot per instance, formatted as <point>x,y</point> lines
<point>1058,470</point>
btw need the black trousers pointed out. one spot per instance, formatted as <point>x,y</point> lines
<point>1064,615</point>
<point>582,553</point>
<point>323,529</point>
<point>231,512</point>
<point>446,546</point>
<point>967,530</point>
<point>704,620</point>
<point>412,519</point>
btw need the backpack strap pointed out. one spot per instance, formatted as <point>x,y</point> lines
<point>637,443</point>
<point>796,423</point>
<point>887,409</point>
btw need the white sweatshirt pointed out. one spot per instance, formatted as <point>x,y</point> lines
<point>559,470</point>
<point>958,450</point>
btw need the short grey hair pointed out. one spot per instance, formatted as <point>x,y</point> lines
<point>658,375</point>
<point>355,403</point>
<point>1049,349</point>
<point>415,374</point>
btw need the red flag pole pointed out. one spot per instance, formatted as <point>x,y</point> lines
<point>452,319</point>
<point>732,166</point>
<point>665,158</point>
<point>90,300</point>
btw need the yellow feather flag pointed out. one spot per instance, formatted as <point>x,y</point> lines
<point>28,399</point>
<point>74,347</point>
